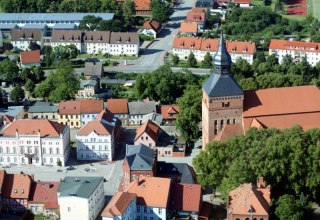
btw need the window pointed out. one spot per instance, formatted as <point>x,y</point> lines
<point>146,138</point>
<point>22,150</point>
<point>44,151</point>
<point>8,150</point>
<point>145,209</point>
<point>58,150</point>
<point>51,160</point>
<point>50,150</point>
<point>138,208</point>
<point>160,211</point>
<point>22,160</point>
<point>29,150</point>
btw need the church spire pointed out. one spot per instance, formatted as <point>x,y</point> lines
<point>222,59</point>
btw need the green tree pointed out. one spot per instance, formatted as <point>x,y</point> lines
<point>175,59</point>
<point>9,71</point>
<point>287,207</point>
<point>190,112</point>
<point>242,68</point>
<point>192,61</point>
<point>160,10</point>
<point>34,46</point>
<point>128,9</point>
<point>17,94</point>
<point>207,60</point>
<point>89,23</point>
<point>65,52</point>
<point>29,86</point>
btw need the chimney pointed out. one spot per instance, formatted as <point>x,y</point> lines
<point>17,134</point>
<point>39,133</point>
<point>261,183</point>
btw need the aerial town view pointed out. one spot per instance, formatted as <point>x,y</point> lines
<point>160,109</point>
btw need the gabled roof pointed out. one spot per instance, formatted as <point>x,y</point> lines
<point>118,204</point>
<point>93,69</point>
<point>66,36</point>
<point>166,110</point>
<point>141,5</point>
<point>90,82</point>
<point>192,43</point>
<point>149,127</point>
<point>186,197</point>
<point>96,36</point>
<point>81,107</point>
<point>151,191</point>
<point>185,171</point>
<point>39,107</point>
<point>16,186</point>
<point>229,131</point>
<point>195,16</point>
<point>82,187</point>
<point>141,108</point>
<point>294,45</point>
<point>118,106</point>
<point>140,157</point>
<point>29,57</point>
<point>124,38</point>
<point>188,27</point>
<point>95,126</point>
<point>33,127</point>
<point>199,9</point>
<point>25,34</point>
<point>44,193</point>
<point>152,24</point>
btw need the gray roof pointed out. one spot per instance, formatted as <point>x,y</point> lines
<point>140,157</point>
<point>124,38</point>
<point>7,26</point>
<point>222,57</point>
<point>12,110</point>
<point>79,186</point>
<point>87,82</point>
<point>33,26</point>
<point>186,172</point>
<point>50,16</point>
<point>141,108</point>
<point>40,107</point>
<point>93,69</point>
<point>25,34</point>
<point>63,27</point>
<point>113,81</point>
<point>155,117</point>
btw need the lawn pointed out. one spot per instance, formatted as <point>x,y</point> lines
<point>314,7</point>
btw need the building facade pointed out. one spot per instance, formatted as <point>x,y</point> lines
<point>88,89</point>
<point>38,142</point>
<point>21,38</point>
<point>43,110</point>
<point>138,109</point>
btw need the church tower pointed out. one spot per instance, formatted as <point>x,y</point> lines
<point>222,97</point>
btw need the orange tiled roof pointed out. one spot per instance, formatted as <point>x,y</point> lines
<point>118,106</point>
<point>294,45</point>
<point>192,43</point>
<point>248,197</point>
<point>186,197</point>
<point>7,118</point>
<point>44,193</point>
<point>27,57</point>
<point>149,127</point>
<point>165,110</point>
<point>199,10</point>
<point>105,115</point>
<point>241,1</point>
<point>152,24</point>
<point>95,126</point>
<point>80,107</point>
<point>195,16</point>
<point>118,204</point>
<point>229,131</point>
<point>17,186</point>
<point>142,5</point>
<point>151,191</point>
<point>188,27</point>
<point>33,126</point>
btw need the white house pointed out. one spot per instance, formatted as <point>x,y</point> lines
<point>95,42</point>
<point>21,38</point>
<point>81,198</point>
<point>35,141</point>
<point>123,205</point>
<point>138,109</point>
<point>124,43</point>
<point>67,37</point>
<point>296,49</point>
<point>151,28</point>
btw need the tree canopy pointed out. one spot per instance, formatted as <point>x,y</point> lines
<point>17,94</point>
<point>160,10</point>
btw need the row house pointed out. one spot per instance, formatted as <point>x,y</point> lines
<point>43,110</point>
<point>198,16</point>
<point>119,109</point>
<point>114,43</point>
<point>81,198</point>
<point>21,38</point>
<point>38,142</point>
<point>296,50</point>
<point>77,113</point>
<point>97,139</point>
<point>137,109</point>
<point>183,46</point>
<point>188,28</point>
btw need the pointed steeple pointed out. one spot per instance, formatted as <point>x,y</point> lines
<point>222,59</point>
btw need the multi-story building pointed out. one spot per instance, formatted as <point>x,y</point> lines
<point>97,139</point>
<point>67,37</point>
<point>38,142</point>
<point>138,109</point>
<point>151,28</point>
<point>77,113</point>
<point>119,109</point>
<point>88,89</point>
<point>183,46</point>
<point>197,17</point>
<point>124,43</point>
<point>43,110</point>
<point>21,38</point>
<point>169,113</point>
<point>296,50</point>
<point>95,42</point>
<point>81,198</point>
<point>188,28</point>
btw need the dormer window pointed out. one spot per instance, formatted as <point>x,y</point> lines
<point>62,38</point>
<point>15,191</point>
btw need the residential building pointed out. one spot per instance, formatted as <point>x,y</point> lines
<point>88,89</point>
<point>151,28</point>
<point>183,46</point>
<point>123,205</point>
<point>150,206</point>
<point>177,172</point>
<point>43,199</point>
<point>77,113</point>
<point>249,201</point>
<point>50,19</point>
<point>137,109</point>
<point>188,28</point>
<point>67,37</point>
<point>242,3</point>
<point>186,200</point>
<point>197,17</point>
<point>155,117</point>
<point>296,50</point>
<point>227,111</point>
<point>93,70</point>
<point>21,38</point>
<point>30,58</point>
<point>119,109</point>
<point>17,112</point>
<point>124,43</point>
<point>43,110</point>
<point>140,161</point>
<point>81,198</point>
<point>15,192</point>
<point>169,113</point>
<point>142,7</point>
<point>35,141</point>
<point>96,42</point>
<point>96,140</point>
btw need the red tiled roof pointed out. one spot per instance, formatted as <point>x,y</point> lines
<point>118,204</point>
<point>105,115</point>
<point>17,186</point>
<point>33,126</point>
<point>95,126</point>
<point>295,45</point>
<point>27,57</point>
<point>118,106</point>
<point>229,131</point>
<point>186,197</point>
<point>195,16</point>
<point>149,127</point>
<point>80,107</point>
<point>166,110</point>
<point>142,5</point>
<point>151,191</point>
<point>199,10</point>
<point>241,1</point>
<point>45,193</point>
<point>192,43</point>
<point>152,24</point>
<point>188,27</point>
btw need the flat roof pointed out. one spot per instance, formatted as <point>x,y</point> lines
<point>33,26</point>
<point>7,26</point>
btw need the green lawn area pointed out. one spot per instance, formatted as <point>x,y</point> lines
<point>35,217</point>
<point>314,8</point>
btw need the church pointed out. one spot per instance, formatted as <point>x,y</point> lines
<point>228,111</point>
